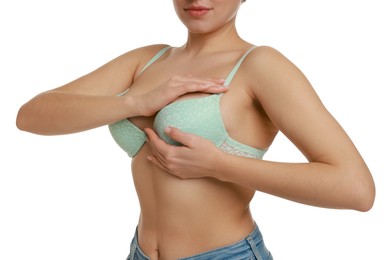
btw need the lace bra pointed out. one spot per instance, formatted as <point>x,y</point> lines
<point>199,116</point>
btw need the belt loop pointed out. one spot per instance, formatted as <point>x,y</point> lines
<point>254,249</point>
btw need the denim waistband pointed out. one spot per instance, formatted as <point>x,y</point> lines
<point>251,247</point>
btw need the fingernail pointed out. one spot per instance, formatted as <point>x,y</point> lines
<point>168,130</point>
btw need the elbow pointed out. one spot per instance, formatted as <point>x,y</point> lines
<point>364,204</point>
<point>24,120</point>
<point>366,201</point>
<point>364,195</point>
<point>21,120</point>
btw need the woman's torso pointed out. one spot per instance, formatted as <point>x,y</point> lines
<point>185,217</point>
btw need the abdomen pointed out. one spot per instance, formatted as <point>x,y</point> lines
<point>196,213</point>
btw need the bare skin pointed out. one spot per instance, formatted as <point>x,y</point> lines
<point>177,215</point>
<point>196,198</point>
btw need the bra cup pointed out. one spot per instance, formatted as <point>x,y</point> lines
<point>199,116</point>
<point>128,136</point>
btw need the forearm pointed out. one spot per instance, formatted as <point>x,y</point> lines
<point>54,113</point>
<point>315,183</point>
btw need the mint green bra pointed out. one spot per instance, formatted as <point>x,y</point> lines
<point>199,116</point>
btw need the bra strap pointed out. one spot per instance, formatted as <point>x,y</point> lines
<point>235,68</point>
<point>156,57</point>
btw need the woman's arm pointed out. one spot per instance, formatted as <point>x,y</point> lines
<point>84,103</point>
<point>92,101</point>
<point>335,175</point>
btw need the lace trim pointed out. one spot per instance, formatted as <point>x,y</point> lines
<point>235,151</point>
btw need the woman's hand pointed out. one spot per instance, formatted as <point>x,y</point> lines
<point>197,157</point>
<point>176,86</point>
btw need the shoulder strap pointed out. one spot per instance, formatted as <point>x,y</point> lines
<point>236,67</point>
<point>155,57</point>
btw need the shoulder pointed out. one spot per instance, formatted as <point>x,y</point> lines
<point>139,55</point>
<point>150,49</point>
<point>273,78</point>
<point>264,58</point>
<point>144,54</point>
<point>267,66</point>
<point>133,59</point>
<point>147,52</point>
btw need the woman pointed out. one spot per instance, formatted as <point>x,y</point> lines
<point>197,157</point>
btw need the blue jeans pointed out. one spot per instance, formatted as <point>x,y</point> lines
<point>250,248</point>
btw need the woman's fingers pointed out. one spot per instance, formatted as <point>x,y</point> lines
<point>185,139</point>
<point>202,80</point>
<point>158,146</point>
<point>149,103</point>
<point>198,83</point>
<point>190,84</point>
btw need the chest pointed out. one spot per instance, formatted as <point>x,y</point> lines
<point>200,116</point>
<point>233,103</point>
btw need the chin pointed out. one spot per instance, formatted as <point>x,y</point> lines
<point>201,28</point>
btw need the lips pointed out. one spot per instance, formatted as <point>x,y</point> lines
<point>197,11</point>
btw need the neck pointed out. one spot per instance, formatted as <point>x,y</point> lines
<point>224,38</point>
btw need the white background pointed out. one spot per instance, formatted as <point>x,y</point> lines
<point>71,197</point>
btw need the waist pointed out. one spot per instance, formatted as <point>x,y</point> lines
<point>248,247</point>
<point>190,239</point>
